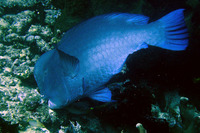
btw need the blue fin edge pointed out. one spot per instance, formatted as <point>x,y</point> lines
<point>175,31</point>
<point>103,95</point>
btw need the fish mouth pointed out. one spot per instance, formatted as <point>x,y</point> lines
<point>54,105</point>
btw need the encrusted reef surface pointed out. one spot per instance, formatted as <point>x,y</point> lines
<point>157,91</point>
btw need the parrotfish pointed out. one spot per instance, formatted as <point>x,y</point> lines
<point>92,52</point>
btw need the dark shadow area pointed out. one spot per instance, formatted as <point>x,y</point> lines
<point>29,82</point>
<point>6,127</point>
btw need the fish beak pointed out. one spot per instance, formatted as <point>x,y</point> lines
<point>53,105</point>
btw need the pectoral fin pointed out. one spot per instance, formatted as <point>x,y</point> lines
<point>102,95</point>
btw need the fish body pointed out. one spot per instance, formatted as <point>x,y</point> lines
<point>92,52</point>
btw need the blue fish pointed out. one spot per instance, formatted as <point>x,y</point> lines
<point>92,52</point>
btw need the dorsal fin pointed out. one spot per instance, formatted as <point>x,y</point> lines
<point>127,17</point>
<point>69,64</point>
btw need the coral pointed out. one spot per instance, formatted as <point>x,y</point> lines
<point>51,16</point>
<point>12,108</point>
<point>19,22</point>
<point>3,23</point>
<point>180,114</point>
<point>21,3</point>
<point>20,100</point>
<point>190,116</point>
<point>140,127</point>
<point>76,128</point>
<point>1,11</point>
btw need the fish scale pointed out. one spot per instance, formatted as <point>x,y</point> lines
<point>91,53</point>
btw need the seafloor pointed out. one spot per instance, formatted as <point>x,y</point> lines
<point>158,90</point>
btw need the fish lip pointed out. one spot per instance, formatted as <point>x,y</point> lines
<point>53,105</point>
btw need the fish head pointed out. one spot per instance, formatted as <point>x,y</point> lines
<point>41,69</point>
<point>54,81</point>
<point>61,91</point>
<point>55,90</point>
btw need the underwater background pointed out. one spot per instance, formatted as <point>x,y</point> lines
<point>158,90</point>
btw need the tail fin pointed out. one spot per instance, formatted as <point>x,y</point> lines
<point>175,32</point>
